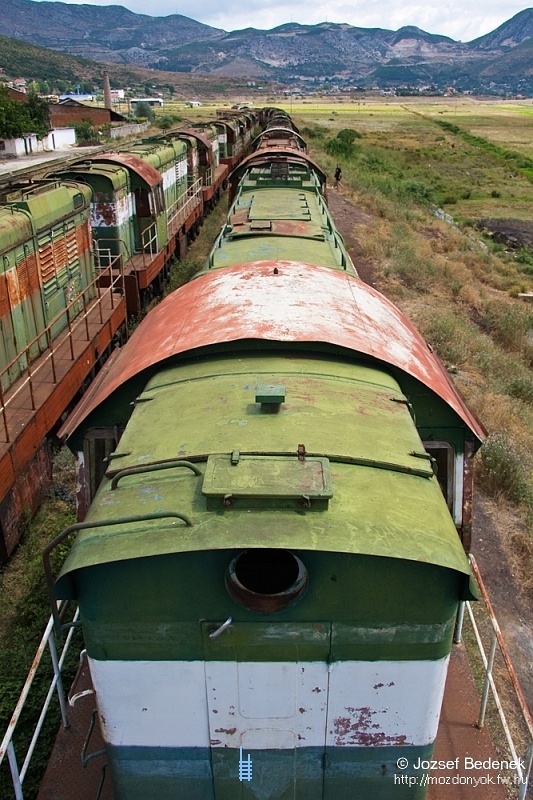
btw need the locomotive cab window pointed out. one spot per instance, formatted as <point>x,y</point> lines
<point>444,456</point>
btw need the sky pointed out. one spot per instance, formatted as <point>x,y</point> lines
<point>459,19</point>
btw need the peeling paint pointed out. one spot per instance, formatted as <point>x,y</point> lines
<point>361,728</point>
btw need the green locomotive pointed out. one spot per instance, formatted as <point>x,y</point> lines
<point>269,569</point>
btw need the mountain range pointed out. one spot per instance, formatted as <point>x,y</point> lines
<point>339,52</point>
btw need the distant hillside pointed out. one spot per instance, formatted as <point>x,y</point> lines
<point>103,33</point>
<point>288,52</point>
<point>23,60</point>
<point>512,33</point>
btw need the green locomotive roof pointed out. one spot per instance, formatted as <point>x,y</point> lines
<point>282,223</point>
<point>362,483</point>
<point>98,174</point>
<point>38,209</point>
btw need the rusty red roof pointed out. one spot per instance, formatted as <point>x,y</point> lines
<point>148,173</point>
<point>282,301</point>
<point>279,134</point>
<point>201,137</point>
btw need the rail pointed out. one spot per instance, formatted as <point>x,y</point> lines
<point>184,205</point>
<point>91,298</point>
<point>7,747</point>
<point>149,245</point>
<point>207,176</point>
<point>517,723</point>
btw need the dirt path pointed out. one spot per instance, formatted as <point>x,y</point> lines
<point>350,219</point>
<point>492,523</point>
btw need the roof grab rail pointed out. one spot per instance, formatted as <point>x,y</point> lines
<point>154,466</point>
<point>81,526</point>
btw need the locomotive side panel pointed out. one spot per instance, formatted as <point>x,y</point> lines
<point>46,263</point>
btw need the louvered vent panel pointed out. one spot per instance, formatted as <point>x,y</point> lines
<point>82,237</point>
<point>23,278</point>
<point>60,253</point>
<point>46,262</point>
<point>33,275</point>
<point>72,251</point>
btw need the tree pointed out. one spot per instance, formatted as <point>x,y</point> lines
<point>14,117</point>
<point>144,109</point>
<point>39,112</point>
<point>22,118</point>
<point>86,133</point>
<point>167,121</point>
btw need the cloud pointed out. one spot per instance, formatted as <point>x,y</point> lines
<point>459,20</point>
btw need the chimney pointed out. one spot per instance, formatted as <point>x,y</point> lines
<point>108,103</point>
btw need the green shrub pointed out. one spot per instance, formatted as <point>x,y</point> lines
<point>417,190</point>
<point>503,469</point>
<point>524,255</point>
<point>521,388</point>
<point>86,133</point>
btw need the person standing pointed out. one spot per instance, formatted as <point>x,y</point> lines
<point>338,177</point>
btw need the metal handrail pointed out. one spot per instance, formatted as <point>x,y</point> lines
<point>489,685</point>
<point>182,206</point>
<point>149,241</point>
<point>32,369</point>
<point>82,526</point>
<point>7,746</point>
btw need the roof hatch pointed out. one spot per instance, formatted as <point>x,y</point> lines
<point>266,481</point>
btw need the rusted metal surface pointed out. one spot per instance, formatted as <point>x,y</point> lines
<point>299,228</point>
<point>269,156</point>
<point>148,173</point>
<point>279,134</point>
<point>356,729</point>
<point>202,138</point>
<point>298,303</point>
<point>75,353</point>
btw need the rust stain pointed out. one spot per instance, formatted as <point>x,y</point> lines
<point>301,710</point>
<point>229,731</point>
<point>317,690</point>
<point>378,685</point>
<point>359,728</point>
<point>104,214</point>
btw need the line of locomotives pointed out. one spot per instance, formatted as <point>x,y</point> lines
<point>81,252</point>
<point>272,553</point>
